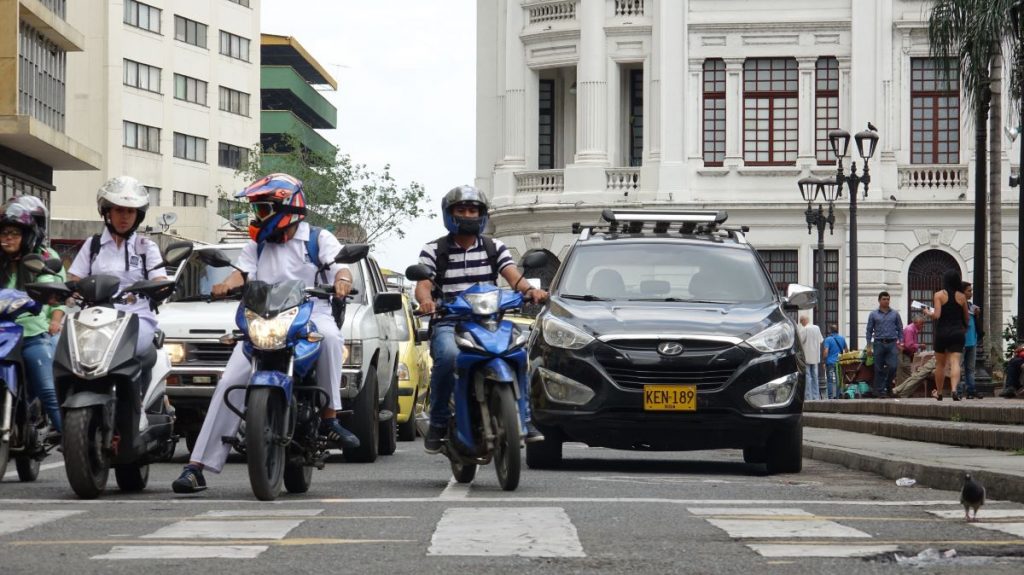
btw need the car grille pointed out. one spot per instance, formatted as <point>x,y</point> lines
<point>651,345</point>
<point>637,378</point>
<point>214,353</point>
<point>636,363</point>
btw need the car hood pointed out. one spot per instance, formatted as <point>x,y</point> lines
<point>197,320</point>
<point>692,319</point>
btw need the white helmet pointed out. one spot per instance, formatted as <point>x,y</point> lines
<point>126,192</point>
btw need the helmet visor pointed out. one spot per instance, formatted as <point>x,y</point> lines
<point>263,211</point>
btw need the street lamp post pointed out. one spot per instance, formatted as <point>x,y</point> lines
<point>810,188</point>
<point>1016,13</point>
<point>840,141</point>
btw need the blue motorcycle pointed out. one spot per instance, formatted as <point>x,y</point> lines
<point>23,425</point>
<point>489,394</point>
<point>283,402</point>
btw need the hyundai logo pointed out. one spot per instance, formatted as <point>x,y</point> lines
<point>670,348</point>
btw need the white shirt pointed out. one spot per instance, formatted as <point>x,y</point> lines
<point>811,340</point>
<point>290,261</point>
<point>110,260</point>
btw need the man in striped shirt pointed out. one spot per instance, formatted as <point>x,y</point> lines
<point>466,257</point>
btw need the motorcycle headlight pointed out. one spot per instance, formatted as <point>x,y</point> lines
<point>484,303</point>
<point>775,393</point>
<point>403,372</point>
<point>175,352</point>
<point>93,343</point>
<point>561,334</point>
<point>270,334</point>
<point>777,337</point>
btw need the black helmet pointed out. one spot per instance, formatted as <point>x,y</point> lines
<point>464,195</point>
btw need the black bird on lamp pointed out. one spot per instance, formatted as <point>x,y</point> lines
<point>892,197</point>
<point>872,127</point>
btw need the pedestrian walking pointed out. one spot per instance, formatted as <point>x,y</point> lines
<point>811,341</point>
<point>835,345</point>
<point>950,315</point>
<point>884,332</point>
<point>970,345</point>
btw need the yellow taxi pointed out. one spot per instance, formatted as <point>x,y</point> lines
<point>413,371</point>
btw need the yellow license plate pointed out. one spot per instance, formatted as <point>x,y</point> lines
<point>670,398</point>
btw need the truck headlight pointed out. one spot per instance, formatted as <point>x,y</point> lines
<point>270,334</point>
<point>775,393</point>
<point>175,352</point>
<point>352,353</point>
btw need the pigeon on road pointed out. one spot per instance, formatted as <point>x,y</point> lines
<point>972,496</point>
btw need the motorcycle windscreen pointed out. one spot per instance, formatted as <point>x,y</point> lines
<point>270,299</point>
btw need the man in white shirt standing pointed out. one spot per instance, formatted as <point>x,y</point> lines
<point>811,342</point>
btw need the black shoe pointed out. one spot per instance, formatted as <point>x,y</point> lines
<point>338,435</point>
<point>435,434</point>
<point>1008,393</point>
<point>191,480</point>
<point>533,434</point>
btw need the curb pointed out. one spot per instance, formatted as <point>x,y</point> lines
<point>996,411</point>
<point>963,434</point>
<point>997,485</point>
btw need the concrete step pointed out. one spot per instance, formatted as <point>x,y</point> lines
<point>989,410</point>
<point>931,465</point>
<point>1006,437</point>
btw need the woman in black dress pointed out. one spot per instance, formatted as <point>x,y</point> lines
<point>950,315</point>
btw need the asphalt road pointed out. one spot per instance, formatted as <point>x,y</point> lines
<point>605,511</point>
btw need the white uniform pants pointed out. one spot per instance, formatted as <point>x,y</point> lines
<point>220,421</point>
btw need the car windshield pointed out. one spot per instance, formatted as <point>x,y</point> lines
<point>195,278</point>
<point>402,322</point>
<point>647,271</point>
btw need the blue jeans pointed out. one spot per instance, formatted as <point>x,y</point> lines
<point>886,361</point>
<point>443,351</point>
<point>969,358</point>
<point>812,390</point>
<point>37,355</point>
<point>831,389</point>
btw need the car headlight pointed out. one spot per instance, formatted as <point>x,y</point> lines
<point>175,352</point>
<point>561,334</point>
<point>777,337</point>
<point>270,333</point>
<point>403,371</point>
<point>93,343</point>
<point>352,353</point>
<point>775,393</point>
<point>484,303</point>
<point>561,389</point>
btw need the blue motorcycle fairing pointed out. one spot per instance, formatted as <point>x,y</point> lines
<point>305,353</point>
<point>501,370</point>
<point>25,305</point>
<point>273,379</point>
<point>10,335</point>
<point>495,342</point>
<point>9,375</point>
<point>460,306</point>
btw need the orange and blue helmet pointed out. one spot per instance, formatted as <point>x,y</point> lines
<point>277,202</point>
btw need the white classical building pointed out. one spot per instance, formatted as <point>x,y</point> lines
<point>168,91</point>
<point>726,104</point>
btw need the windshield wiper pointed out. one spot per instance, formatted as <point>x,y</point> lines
<point>586,297</point>
<point>677,300</point>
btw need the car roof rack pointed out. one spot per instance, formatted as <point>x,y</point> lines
<point>683,222</point>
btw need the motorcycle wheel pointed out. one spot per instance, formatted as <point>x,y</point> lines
<point>85,461</point>
<point>297,478</point>
<point>264,430</point>
<point>505,420</point>
<point>389,429</point>
<point>131,477</point>
<point>5,446</point>
<point>28,468</point>
<point>463,472</point>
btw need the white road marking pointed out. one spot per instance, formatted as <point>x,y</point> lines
<point>14,521</point>
<point>799,523</point>
<point>516,500</point>
<point>455,490</point>
<point>148,552</point>
<point>844,550</point>
<point>42,468</point>
<point>1011,528</point>
<point>734,511</point>
<point>985,513</point>
<point>265,513</point>
<point>252,529</point>
<point>505,531</point>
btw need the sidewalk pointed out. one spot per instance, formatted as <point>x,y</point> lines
<point>933,442</point>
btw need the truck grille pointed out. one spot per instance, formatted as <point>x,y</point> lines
<point>208,353</point>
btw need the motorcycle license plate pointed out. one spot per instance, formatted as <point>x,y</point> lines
<point>670,398</point>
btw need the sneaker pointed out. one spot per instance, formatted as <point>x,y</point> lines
<point>338,435</point>
<point>1008,393</point>
<point>191,480</point>
<point>533,434</point>
<point>432,442</point>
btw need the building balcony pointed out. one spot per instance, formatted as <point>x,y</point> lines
<point>540,182</point>
<point>286,122</point>
<point>622,180</point>
<point>933,177</point>
<point>282,88</point>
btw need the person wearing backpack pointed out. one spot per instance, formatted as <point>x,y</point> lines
<point>282,247</point>
<point>460,259</point>
<point>835,345</point>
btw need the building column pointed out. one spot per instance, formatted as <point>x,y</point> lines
<point>695,112</point>
<point>514,98</point>
<point>592,86</point>
<point>806,120</point>
<point>672,45</point>
<point>733,112</point>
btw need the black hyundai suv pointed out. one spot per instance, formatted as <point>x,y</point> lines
<point>665,332</point>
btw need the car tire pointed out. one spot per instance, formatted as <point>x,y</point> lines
<point>755,454</point>
<point>389,429</point>
<point>364,421</point>
<point>545,454</point>
<point>407,430</point>
<point>784,450</point>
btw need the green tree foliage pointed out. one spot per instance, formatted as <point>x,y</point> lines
<point>341,194</point>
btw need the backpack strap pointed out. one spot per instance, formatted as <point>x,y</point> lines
<point>492,256</point>
<point>94,248</point>
<point>313,251</point>
<point>141,242</point>
<point>440,265</point>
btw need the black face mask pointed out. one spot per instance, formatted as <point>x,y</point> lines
<point>469,226</point>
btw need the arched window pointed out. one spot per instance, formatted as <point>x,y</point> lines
<point>924,279</point>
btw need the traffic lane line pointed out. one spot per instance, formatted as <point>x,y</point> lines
<point>833,550</point>
<point>211,542</point>
<point>162,498</point>
<point>13,521</point>
<point>42,468</point>
<point>152,552</point>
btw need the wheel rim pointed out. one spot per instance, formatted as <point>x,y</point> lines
<point>272,436</point>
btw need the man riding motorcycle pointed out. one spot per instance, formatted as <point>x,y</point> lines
<point>462,258</point>
<point>277,252</point>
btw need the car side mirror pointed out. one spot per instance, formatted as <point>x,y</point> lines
<point>800,297</point>
<point>387,302</point>
<point>418,272</point>
<point>352,253</point>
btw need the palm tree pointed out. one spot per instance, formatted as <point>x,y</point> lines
<point>976,33</point>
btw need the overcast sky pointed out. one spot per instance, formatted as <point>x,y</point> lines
<point>406,72</point>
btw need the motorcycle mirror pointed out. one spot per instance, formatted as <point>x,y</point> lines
<point>33,263</point>
<point>215,259</point>
<point>54,266</point>
<point>418,272</point>
<point>535,260</point>
<point>176,253</point>
<point>352,253</point>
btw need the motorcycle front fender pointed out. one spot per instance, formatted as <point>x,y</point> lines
<point>273,379</point>
<point>9,375</point>
<point>88,399</point>
<point>499,371</point>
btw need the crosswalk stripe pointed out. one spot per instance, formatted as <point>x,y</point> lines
<point>183,552</point>
<point>741,512</point>
<point>251,529</point>
<point>1011,528</point>
<point>264,513</point>
<point>506,531</point>
<point>42,468</point>
<point>843,550</point>
<point>985,512</point>
<point>773,523</point>
<point>14,521</point>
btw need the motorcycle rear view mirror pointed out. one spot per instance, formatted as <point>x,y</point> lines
<point>54,266</point>
<point>535,260</point>
<point>176,253</point>
<point>418,272</point>
<point>352,253</point>
<point>33,263</point>
<point>48,293</point>
<point>216,259</point>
